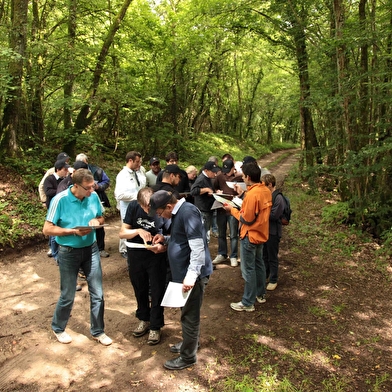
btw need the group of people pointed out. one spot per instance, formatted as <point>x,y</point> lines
<point>167,216</point>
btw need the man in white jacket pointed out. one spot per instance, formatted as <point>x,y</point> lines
<point>128,183</point>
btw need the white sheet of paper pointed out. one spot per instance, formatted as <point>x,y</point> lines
<point>241,184</point>
<point>136,245</point>
<point>174,296</point>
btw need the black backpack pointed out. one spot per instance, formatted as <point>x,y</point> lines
<point>286,215</point>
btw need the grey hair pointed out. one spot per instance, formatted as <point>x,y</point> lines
<point>81,157</point>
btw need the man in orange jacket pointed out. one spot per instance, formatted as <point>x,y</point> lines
<point>253,220</point>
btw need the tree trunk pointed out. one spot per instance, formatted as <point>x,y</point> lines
<point>84,117</point>
<point>14,118</point>
<point>312,148</point>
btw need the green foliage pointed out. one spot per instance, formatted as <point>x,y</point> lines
<point>386,249</point>
<point>22,219</point>
<point>337,213</point>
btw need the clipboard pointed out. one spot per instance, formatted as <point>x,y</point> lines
<point>91,227</point>
<point>222,200</point>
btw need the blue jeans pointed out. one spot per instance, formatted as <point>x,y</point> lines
<point>122,248</point>
<point>70,261</point>
<point>252,270</point>
<point>207,222</point>
<point>54,247</point>
<point>224,219</point>
<point>214,223</point>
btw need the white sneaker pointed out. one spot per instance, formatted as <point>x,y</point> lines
<point>271,286</point>
<point>103,339</point>
<point>239,307</point>
<point>219,259</point>
<point>261,299</point>
<point>63,337</point>
<point>233,261</point>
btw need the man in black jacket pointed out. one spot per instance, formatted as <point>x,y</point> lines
<point>202,191</point>
<point>51,184</point>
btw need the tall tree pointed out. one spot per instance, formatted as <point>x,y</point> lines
<point>14,122</point>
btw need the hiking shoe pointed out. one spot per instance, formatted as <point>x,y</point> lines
<point>154,337</point>
<point>219,259</point>
<point>233,261</point>
<point>103,253</point>
<point>261,299</point>
<point>239,307</point>
<point>178,363</point>
<point>63,337</point>
<point>103,339</point>
<point>271,286</point>
<point>141,329</point>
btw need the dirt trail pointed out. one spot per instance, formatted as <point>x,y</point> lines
<point>32,360</point>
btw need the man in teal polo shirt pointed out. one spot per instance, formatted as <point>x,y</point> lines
<point>69,215</point>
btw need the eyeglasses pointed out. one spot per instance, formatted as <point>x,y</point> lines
<point>163,210</point>
<point>89,188</point>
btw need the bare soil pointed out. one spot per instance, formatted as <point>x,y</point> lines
<point>353,344</point>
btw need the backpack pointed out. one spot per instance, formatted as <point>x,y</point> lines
<point>286,215</point>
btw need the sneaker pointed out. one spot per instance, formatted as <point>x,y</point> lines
<point>261,299</point>
<point>233,261</point>
<point>78,287</point>
<point>271,286</point>
<point>103,253</point>
<point>50,253</point>
<point>103,339</point>
<point>141,329</point>
<point>219,259</point>
<point>154,337</point>
<point>124,255</point>
<point>239,307</point>
<point>63,337</point>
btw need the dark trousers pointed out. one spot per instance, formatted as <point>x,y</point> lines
<point>100,234</point>
<point>147,270</point>
<point>270,257</point>
<point>190,320</point>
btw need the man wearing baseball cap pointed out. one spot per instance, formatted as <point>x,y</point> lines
<point>190,264</point>
<point>202,191</point>
<point>152,174</point>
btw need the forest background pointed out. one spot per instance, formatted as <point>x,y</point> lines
<point>154,76</point>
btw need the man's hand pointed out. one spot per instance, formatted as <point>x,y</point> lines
<point>158,238</point>
<point>187,285</point>
<point>145,235</point>
<point>227,207</point>
<point>158,248</point>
